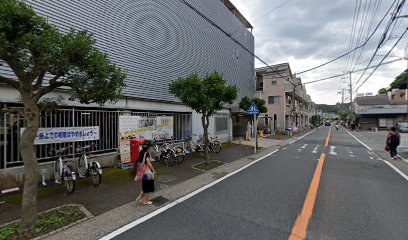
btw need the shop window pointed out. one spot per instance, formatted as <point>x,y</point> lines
<point>386,122</point>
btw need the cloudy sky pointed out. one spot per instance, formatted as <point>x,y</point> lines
<point>306,33</point>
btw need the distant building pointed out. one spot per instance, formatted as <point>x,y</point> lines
<point>381,112</point>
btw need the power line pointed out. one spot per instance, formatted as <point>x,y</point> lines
<point>265,14</point>
<point>352,50</point>
<point>386,55</point>
<point>398,9</point>
<point>359,70</point>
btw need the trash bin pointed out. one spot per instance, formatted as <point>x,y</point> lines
<point>135,149</point>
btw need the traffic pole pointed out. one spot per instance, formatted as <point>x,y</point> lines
<point>254,131</point>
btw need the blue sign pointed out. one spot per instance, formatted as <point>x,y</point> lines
<point>253,110</point>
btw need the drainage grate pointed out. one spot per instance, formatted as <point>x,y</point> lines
<point>159,200</point>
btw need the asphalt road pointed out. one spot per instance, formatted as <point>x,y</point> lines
<point>359,197</point>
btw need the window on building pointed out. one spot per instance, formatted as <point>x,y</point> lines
<point>261,84</point>
<point>274,81</point>
<point>289,102</point>
<point>386,122</point>
<point>221,123</point>
<point>273,99</point>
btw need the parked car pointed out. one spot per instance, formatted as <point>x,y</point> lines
<point>403,127</point>
<point>327,123</point>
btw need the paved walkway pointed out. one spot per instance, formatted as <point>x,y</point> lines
<point>109,221</point>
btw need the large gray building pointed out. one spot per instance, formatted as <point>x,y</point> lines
<point>155,42</point>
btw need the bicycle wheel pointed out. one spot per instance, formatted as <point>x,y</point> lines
<point>216,147</point>
<point>95,175</point>
<point>81,167</point>
<point>58,171</point>
<point>69,182</point>
<point>168,158</point>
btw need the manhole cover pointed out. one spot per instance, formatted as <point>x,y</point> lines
<point>159,200</point>
<point>166,178</point>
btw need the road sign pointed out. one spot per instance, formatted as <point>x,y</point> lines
<point>253,110</point>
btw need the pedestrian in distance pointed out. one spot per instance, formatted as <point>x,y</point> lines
<point>147,174</point>
<point>392,142</point>
<point>248,132</point>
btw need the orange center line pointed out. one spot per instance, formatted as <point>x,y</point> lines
<point>299,229</point>
<point>328,138</point>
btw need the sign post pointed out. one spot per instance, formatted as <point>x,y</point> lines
<point>253,110</point>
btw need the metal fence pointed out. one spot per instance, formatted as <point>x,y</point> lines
<point>107,120</point>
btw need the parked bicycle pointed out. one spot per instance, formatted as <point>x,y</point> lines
<point>163,151</point>
<point>214,145</point>
<point>63,172</point>
<point>88,168</point>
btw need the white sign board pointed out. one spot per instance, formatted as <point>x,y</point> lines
<point>65,134</point>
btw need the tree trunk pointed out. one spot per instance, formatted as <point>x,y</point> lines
<point>205,123</point>
<point>31,175</point>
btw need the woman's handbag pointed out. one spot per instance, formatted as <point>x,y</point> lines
<point>141,168</point>
<point>387,148</point>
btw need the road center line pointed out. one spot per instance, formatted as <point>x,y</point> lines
<point>299,229</point>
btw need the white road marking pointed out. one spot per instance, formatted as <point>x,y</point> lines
<point>352,156</point>
<point>358,140</point>
<point>371,158</point>
<point>284,148</point>
<point>304,136</point>
<point>315,149</point>
<point>180,200</point>
<point>396,169</point>
<point>403,159</point>
<point>379,158</point>
<point>332,150</point>
<point>304,146</point>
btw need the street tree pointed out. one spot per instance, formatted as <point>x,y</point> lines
<point>382,92</point>
<point>400,81</point>
<point>246,103</point>
<point>206,96</point>
<point>42,60</point>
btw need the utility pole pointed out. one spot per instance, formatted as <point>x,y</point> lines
<point>293,110</point>
<point>342,99</point>
<point>351,94</point>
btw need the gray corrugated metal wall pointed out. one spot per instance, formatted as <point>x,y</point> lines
<point>156,41</point>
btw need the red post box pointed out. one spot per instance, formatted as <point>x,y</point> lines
<point>135,149</point>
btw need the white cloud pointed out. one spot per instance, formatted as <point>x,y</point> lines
<point>306,33</point>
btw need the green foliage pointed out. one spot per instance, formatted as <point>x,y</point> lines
<point>400,81</point>
<point>47,222</point>
<point>207,95</point>
<point>382,92</point>
<point>246,102</point>
<point>33,48</point>
<point>327,108</point>
<point>315,121</point>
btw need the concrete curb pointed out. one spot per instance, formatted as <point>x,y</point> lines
<point>109,221</point>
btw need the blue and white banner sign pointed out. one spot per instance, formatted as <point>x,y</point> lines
<point>66,134</point>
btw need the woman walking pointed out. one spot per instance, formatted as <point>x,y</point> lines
<point>148,175</point>
<point>393,140</point>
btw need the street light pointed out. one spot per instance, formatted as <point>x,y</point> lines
<point>406,73</point>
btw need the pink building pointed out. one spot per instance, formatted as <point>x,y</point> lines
<point>285,98</point>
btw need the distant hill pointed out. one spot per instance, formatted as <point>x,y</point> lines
<point>327,108</point>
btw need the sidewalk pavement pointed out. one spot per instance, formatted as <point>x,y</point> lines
<point>376,141</point>
<point>109,221</point>
<point>117,187</point>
